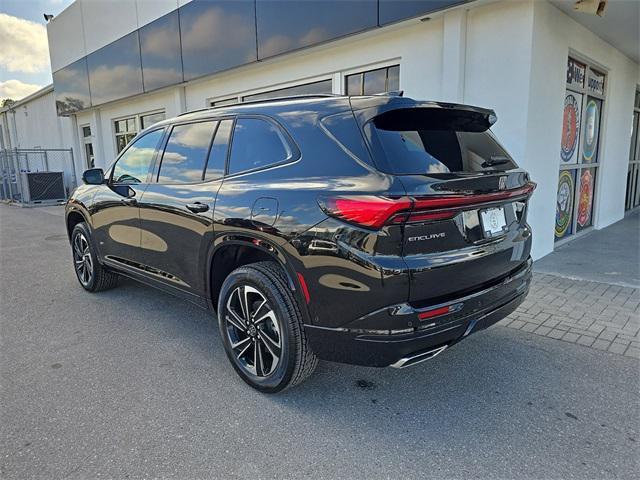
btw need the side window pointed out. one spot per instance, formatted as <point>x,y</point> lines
<point>218,153</point>
<point>133,166</point>
<point>256,143</point>
<point>185,155</point>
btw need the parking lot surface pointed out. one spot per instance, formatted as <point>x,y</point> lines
<point>133,383</point>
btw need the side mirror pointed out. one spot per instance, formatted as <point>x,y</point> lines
<point>93,176</point>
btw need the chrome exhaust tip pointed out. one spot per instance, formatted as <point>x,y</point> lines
<point>418,357</point>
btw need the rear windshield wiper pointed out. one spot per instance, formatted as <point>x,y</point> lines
<point>495,160</point>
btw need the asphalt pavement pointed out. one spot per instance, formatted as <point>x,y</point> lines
<point>132,383</point>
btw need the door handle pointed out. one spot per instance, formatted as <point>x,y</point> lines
<point>197,207</point>
<point>132,202</point>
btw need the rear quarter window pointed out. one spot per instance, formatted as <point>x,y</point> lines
<point>257,143</point>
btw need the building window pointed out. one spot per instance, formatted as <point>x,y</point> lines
<point>380,80</point>
<point>632,198</point>
<point>127,128</point>
<point>321,87</point>
<point>579,152</point>
<point>89,158</point>
<point>224,102</point>
<point>148,120</point>
<point>125,132</point>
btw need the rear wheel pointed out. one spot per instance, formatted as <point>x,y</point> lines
<point>91,274</point>
<point>262,329</point>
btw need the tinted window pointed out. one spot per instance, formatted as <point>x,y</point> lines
<point>218,153</point>
<point>285,25</point>
<point>436,141</point>
<point>217,35</point>
<point>185,155</point>
<point>115,70</point>
<point>133,165</point>
<point>160,52</point>
<point>256,143</point>
<point>71,87</point>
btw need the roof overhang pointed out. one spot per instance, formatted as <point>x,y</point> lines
<point>620,25</point>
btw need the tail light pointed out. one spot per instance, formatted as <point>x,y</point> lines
<point>365,210</point>
<point>376,211</point>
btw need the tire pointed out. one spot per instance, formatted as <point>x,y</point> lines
<point>275,329</point>
<point>92,276</point>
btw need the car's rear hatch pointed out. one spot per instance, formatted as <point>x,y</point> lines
<point>464,228</point>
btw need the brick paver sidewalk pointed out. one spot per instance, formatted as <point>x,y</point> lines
<point>597,315</point>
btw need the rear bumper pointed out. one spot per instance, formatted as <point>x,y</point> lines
<point>381,348</point>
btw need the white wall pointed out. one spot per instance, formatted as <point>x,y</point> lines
<point>516,64</point>
<point>498,66</point>
<point>38,125</point>
<point>555,35</point>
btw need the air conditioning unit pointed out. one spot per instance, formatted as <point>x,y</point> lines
<point>43,187</point>
<point>593,7</point>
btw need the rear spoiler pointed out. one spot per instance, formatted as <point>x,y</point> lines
<point>398,113</point>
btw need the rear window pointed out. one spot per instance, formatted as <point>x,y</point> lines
<point>413,142</point>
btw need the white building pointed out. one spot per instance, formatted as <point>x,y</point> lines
<point>563,83</point>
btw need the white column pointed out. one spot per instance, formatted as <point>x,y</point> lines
<point>98,143</point>
<point>179,102</point>
<point>79,164</point>
<point>454,48</point>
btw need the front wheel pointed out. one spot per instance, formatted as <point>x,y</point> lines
<point>262,328</point>
<point>91,274</point>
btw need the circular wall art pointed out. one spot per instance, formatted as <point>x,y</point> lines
<point>570,127</point>
<point>564,202</point>
<point>586,198</point>
<point>592,121</point>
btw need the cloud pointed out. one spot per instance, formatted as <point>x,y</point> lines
<point>24,45</point>
<point>15,89</point>
<point>111,82</point>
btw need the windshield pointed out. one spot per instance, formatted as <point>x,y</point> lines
<point>426,142</point>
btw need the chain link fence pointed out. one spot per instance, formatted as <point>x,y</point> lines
<point>36,176</point>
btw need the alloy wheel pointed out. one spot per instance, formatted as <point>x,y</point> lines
<point>82,259</point>
<point>253,331</point>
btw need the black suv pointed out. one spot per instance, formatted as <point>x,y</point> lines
<point>374,230</point>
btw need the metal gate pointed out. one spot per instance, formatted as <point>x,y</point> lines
<point>36,176</point>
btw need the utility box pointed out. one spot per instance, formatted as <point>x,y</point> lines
<point>42,187</point>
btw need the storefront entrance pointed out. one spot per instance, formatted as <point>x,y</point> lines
<point>579,155</point>
<point>632,198</point>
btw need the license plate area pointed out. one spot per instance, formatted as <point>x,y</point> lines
<point>493,222</point>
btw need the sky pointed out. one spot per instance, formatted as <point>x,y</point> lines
<point>24,56</point>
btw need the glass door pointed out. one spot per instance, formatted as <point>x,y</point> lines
<point>632,198</point>
<point>579,155</point>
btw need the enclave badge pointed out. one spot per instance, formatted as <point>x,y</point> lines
<point>431,236</point>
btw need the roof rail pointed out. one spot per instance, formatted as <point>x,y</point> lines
<point>264,100</point>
